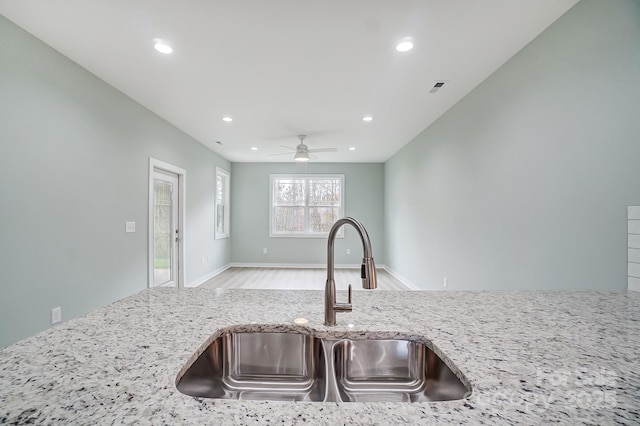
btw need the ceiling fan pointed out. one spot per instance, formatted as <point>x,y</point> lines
<point>302,151</point>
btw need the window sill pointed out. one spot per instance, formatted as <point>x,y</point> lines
<point>313,236</point>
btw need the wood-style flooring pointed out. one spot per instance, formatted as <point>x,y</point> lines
<point>296,279</point>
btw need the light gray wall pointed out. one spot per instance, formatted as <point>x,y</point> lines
<point>74,167</point>
<point>364,200</point>
<point>525,183</point>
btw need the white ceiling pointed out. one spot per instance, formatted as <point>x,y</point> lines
<point>284,67</point>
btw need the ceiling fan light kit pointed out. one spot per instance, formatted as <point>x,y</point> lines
<point>301,156</point>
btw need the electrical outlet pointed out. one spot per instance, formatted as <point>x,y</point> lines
<point>130,227</point>
<point>348,251</point>
<point>264,250</point>
<point>445,281</point>
<point>56,315</point>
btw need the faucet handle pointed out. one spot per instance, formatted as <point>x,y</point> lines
<point>343,306</point>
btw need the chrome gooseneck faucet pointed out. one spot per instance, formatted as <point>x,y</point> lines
<point>367,271</point>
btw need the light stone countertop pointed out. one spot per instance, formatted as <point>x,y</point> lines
<point>530,357</point>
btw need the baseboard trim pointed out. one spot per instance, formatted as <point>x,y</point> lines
<point>402,279</point>
<point>207,277</point>
<point>297,265</point>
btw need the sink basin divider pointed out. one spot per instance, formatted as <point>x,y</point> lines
<point>332,394</point>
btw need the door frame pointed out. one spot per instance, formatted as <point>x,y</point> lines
<point>155,164</point>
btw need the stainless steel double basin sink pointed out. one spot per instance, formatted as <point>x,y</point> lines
<point>293,366</point>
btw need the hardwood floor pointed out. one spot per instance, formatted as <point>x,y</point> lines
<point>296,279</point>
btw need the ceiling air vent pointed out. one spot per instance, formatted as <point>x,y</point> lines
<point>436,86</point>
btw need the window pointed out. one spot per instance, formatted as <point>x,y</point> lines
<point>305,205</point>
<point>222,204</point>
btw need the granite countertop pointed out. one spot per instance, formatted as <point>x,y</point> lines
<point>530,357</point>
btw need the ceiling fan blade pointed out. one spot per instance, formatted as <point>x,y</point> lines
<point>288,147</point>
<point>281,153</point>
<point>323,150</point>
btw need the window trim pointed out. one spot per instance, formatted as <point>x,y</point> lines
<point>306,177</point>
<point>226,233</point>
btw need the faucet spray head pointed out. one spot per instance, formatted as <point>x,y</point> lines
<point>368,273</point>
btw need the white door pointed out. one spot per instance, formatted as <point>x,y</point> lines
<point>166,229</point>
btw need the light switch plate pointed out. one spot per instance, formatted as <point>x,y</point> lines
<point>130,227</point>
<point>56,315</point>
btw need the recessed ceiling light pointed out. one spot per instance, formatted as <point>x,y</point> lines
<point>219,143</point>
<point>163,47</point>
<point>227,119</point>
<point>367,118</point>
<point>405,45</point>
<point>352,148</point>
<point>254,148</point>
